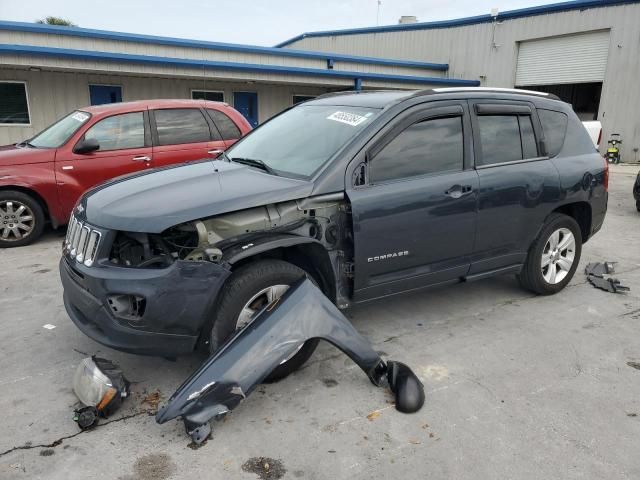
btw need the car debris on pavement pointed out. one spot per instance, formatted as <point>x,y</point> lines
<point>598,275</point>
<point>101,387</point>
<point>277,333</point>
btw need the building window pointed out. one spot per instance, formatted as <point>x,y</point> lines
<point>302,98</point>
<point>104,94</point>
<point>14,106</point>
<point>210,95</point>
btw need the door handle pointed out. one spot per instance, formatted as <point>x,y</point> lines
<point>215,152</point>
<point>141,158</point>
<point>457,191</point>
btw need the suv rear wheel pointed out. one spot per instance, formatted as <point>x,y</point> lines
<point>554,256</point>
<point>21,219</point>
<point>245,293</point>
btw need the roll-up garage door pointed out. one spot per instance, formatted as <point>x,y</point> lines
<point>580,58</point>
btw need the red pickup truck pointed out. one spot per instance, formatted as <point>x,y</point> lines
<point>41,178</point>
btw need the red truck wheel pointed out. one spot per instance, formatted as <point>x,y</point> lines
<point>21,219</point>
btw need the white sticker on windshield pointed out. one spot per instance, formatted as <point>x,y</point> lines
<point>348,118</point>
<point>80,116</point>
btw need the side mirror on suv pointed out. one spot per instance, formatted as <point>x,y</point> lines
<point>86,145</point>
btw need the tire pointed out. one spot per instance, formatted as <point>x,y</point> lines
<point>550,279</point>
<point>27,214</point>
<point>638,205</point>
<point>241,288</point>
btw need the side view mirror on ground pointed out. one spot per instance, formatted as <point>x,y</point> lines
<point>42,178</point>
<point>367,194</point>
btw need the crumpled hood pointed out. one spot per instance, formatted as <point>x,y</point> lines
<point>153,201</point>
<point>11,155</point>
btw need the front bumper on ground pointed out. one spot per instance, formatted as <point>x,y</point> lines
<point>178,300</point>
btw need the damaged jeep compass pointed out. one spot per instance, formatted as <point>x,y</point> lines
<point>368,194</point>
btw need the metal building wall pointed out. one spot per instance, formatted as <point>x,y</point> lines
<point>150,49</point>
<point>470,54</point>
<point>54,94</point>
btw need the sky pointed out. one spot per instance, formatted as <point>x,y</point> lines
<point>254,22</point>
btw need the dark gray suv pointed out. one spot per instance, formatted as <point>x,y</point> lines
<point>369,194</point>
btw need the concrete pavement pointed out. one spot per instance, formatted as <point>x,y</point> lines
<point>517,386</point>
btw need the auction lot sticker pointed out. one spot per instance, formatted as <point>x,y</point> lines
<point>348,118</point>
<point>80,116</point>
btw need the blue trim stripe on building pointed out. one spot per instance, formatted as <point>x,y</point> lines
<point>227,47</point>
<point>510,14</point>
<point>33,50</point>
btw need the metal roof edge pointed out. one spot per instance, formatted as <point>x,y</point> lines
<point>230,47</point>
<point>459,22</point>
<point>228,66</point>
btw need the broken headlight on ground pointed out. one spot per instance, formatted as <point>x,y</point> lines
<point>100,385</point>
<point>247,358</point>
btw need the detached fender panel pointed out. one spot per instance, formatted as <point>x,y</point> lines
<point>242,363</point>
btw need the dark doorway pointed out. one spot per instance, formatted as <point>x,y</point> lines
<point>584,97</point>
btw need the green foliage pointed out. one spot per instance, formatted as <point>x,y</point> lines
<point>57,21</point>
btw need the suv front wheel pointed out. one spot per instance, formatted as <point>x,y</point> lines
<point>249,289</point>
<point>554,256</point>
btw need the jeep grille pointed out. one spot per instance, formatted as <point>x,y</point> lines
<point>81,242</point>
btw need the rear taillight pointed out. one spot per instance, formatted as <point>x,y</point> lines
<point>599,137</point>
<point>605,180</point>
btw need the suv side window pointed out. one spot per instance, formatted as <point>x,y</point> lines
<point>228,129</point>
<point>429,146</point>
<point>554,126</point>
<point>119,132</point>
<point>506,138</point>
<point>181,125</point>
<point>528,137</point>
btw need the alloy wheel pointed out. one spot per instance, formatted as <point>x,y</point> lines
<point>260,300</point>
<point>256,303</point>
<point>558,256</point>
<point>16,220</point>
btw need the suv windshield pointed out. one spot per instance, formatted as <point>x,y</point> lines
<point>303,139</point>
<point>57,134</point>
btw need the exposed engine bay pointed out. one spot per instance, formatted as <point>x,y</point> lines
<point>324,218</point>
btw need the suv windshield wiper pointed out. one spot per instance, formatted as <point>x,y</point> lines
<point>252,162</point>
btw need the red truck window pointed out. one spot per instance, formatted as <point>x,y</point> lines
<point>228,129</point>
<point>181,125</point>
<point>119,132</point>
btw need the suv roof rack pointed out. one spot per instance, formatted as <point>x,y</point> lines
<point>492,89</point>
<point>404,94</point>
